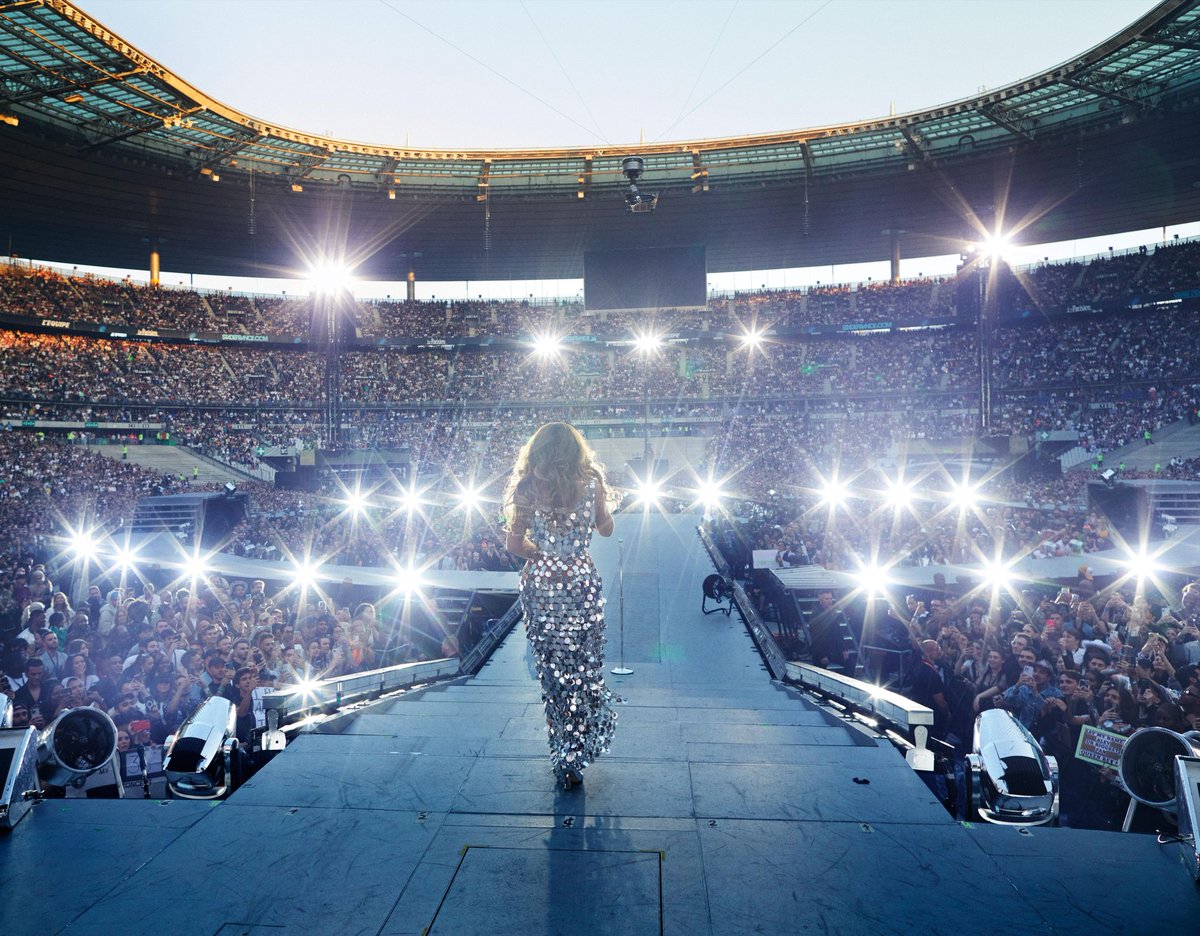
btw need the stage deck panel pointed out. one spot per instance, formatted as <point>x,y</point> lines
<point>729,804</point>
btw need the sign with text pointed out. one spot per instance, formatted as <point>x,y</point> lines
<point>1100,747</point>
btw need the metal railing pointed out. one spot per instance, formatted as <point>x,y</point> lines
<point>897,711</point>
<point>474,658</point>
<point>295,703</point>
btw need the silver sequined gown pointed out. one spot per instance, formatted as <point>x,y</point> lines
<point>564,620</point>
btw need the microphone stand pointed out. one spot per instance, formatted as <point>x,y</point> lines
<point>621,670</point>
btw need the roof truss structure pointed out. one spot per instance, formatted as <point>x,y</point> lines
<point>95,96</point>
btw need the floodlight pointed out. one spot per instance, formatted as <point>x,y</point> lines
<point>355,502</point>
<point>899,494</point>
<point>330,277</point>
<point>1140,565</point>
<point>873,579</point>
<point>997,576</point>
<point>964,496</point>
<point>469,497</point>
<point>833,493</point>
<point>752,338</point>
<point>125,557</point>
<point>84,546</point>
<point>995,246</point>
<point>304,574</point>
<point>647,342</point>
<point>194,567</point>
<point>709,494</point>
<point>306,687</point>
<point>409,499</point>
<point>648,493</point>
<point>546,345</point>
<point>407,579</point>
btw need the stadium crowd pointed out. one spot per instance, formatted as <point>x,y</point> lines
<point>779,421</point>
<point>1136,278</point>
<point>1058,662</point>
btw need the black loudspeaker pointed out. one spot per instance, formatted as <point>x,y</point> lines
<point>304,478</point>
<point>1126,507</point>
<point>221,515</point>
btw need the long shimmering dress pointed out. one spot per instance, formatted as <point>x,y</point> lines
<point>564,620</point>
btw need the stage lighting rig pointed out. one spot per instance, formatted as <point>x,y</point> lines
<point>72,751</point>
<point>1008,778</point>
<point>637,201</point>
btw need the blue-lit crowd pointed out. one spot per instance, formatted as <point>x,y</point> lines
<point>779,418</point>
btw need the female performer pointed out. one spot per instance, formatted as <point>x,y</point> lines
<point>556,496</point>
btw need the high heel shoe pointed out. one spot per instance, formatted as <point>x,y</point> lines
<point>570,779</point>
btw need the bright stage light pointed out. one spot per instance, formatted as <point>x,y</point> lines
<point>647,342</point>
<point>964,496</point>
<point>873,579</point>
<point>899,494</point>
<point>304,574</point>
<point>125,558</point>
<point>470,497</point>
<point>997,576</point>
<point>648,493</point>
<point>709,494</point>
<point>834,493</point>
<point>752,338</point>
<point>355,502</point>
<point>410,499</point>
<point>330,277</point>
<point>995,246</point>
<point>194,567</point>
<point>1140,565</point>
<point>546,345</point>
<point>408,579</point>
<point>84,546</point>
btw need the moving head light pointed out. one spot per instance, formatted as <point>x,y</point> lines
<point>75,745</point>
<point>33,765</point>
<point>1009,779</point>
<point>202,759</point>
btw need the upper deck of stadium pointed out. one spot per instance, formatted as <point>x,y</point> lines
<point>107,151</point>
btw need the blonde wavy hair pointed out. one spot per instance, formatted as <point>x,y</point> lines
<point>550,469</point>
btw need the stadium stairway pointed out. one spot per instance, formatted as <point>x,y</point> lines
<point>176,460</point>
<point>1177,439</point>
<point>729,804</point>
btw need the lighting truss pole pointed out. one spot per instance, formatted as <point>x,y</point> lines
<point>333,370</point>
<point>986,300</point>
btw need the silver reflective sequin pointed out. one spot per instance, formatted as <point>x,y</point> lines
<point>564,620</point>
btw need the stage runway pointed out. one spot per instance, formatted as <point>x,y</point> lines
<point>729,804</point>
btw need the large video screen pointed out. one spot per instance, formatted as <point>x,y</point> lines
<point>646,278</point>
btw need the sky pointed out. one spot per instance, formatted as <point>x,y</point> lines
<point>530,73</point>
<point>511,74</point>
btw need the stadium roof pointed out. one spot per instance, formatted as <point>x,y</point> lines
<point>106,151</point>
